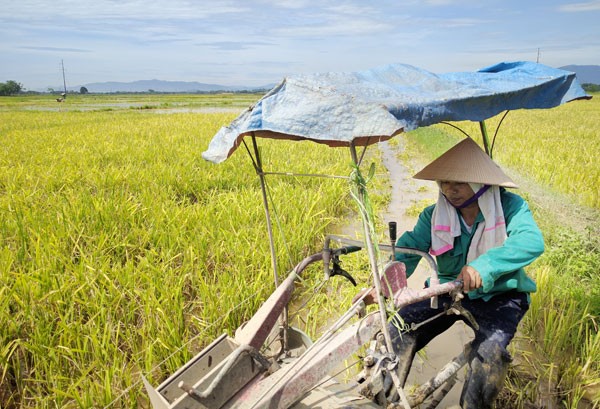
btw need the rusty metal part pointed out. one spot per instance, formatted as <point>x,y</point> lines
<point>292,381</point>
<point>458,309</point>
<point>445,374</point>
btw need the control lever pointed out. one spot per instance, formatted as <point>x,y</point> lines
<point>332,257</point>
<point>458,309</point>
<point>337,270</point>
<point>392,228</point>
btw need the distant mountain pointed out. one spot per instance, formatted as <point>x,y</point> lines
<point>586,74</point>
<point>163,86</point>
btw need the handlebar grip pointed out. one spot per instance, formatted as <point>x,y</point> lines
<point>393,236</point>
<point>347,250</point>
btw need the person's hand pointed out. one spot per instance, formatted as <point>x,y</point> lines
<point>470,278</point>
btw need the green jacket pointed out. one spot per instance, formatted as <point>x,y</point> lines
<point>500,268</point>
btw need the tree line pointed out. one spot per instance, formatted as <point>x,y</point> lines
<point>13,88</point>
<point>10,88</point>
<point>591,87</point>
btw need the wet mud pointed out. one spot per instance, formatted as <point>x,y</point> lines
<point>405,193</point>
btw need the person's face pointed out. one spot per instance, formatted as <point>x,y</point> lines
<point>456,192</point>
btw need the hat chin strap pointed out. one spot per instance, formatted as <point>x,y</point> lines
<point>473,198</point>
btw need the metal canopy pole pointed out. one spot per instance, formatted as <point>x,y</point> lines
<point>484,137</point>
<point>259,170</point>
<point>263,187</point>
<point>373,261</point>
<point>377,281</point>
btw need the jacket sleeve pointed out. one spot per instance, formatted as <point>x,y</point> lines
<point>524,243</point>
<point>419,238</point>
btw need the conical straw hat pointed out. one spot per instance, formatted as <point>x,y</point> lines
<point>466,162</point>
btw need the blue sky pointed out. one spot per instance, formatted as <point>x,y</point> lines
<point>258,42</point>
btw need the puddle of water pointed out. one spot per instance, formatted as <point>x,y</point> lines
<point>117,106</point>
<point>203,110</point>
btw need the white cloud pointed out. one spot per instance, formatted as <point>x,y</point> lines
<point>581,7</point>
<point>110,9</point>
<point>57,49</point>
<point>286,4</point>
<point>334,28</point>
<point>260,41</point>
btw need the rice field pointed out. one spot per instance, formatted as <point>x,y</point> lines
<point>557,148</point>
<point>122,252</point>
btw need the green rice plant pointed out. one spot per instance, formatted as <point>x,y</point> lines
<point>417,207</point>
<point>565,355</point>
<point>123,252</point>
<point>576,260</point>
<point>556,147</point>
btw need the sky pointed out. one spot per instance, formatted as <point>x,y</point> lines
<point>260,42</point>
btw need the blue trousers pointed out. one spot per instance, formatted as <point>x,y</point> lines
<point>497,318</point>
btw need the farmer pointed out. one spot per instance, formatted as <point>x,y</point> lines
<point>483,235</point>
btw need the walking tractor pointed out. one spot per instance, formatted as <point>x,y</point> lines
<point>268,363</point>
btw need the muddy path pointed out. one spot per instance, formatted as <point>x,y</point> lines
<point>407,195</point>
<point>407,192</point>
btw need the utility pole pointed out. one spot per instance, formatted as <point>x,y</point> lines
<point>538,56</point>
<point>62,65</point>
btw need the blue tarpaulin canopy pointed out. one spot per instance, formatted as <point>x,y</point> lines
<point>361,108</point>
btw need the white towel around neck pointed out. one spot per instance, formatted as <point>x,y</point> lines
<point>445,224</point>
